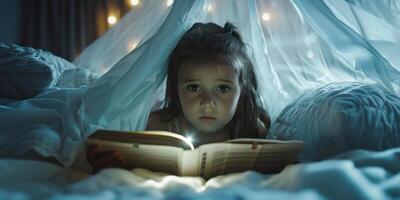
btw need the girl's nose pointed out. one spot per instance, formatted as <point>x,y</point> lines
<point>207,99</point>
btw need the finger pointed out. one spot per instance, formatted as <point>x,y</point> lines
<point>107,157</point>
<point>115,163</point>
<point>96,153</point>
<point>92,150</point>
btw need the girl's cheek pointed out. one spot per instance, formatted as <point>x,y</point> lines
<point>229,97</point>
<point>184,93</point>
<point>188,96</point>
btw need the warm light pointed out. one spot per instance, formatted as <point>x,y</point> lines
<point>266,16</point>
<point>167,181</point>
<point>132,46</point>
<point>190,139</point>
<point>135,2</point>
<point>208,7</point>
<point>169,2</point>
<point>112,19</point>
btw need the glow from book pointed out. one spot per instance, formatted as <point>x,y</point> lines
<point>197,184</point>
<point>190,139</point>
<point>145,149</point>
<point>169,134</point>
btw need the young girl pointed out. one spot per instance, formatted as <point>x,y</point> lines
<point>211,92</point>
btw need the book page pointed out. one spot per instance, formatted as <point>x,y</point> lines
<point>190,163</point>
<point>261,141</point>
<point>158,158</point>
<point>223,158</point>
<point>273,158</point>
<point>144,137</point>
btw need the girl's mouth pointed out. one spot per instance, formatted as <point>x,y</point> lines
<point>207,119</point>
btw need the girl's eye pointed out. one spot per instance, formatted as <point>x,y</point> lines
<point>193,88</point>
<point>223,89</point>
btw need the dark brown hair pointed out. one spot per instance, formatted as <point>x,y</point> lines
<point>213,43</point>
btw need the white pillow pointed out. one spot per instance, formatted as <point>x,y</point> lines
<point>339,117</point>
<point>25,71</point>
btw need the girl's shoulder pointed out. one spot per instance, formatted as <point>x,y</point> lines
<point>156,123</point>
<point>263,123</point>
<point>262,128</point>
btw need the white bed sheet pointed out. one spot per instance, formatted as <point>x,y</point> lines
<point>355,175</point>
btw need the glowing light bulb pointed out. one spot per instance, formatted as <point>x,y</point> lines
<point>112,19</point>
<point>266,17</point>
<point>135,2</point>
<point>208,7</point>
<point>169,2</point>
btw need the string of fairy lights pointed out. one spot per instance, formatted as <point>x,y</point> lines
<point>113,19</point>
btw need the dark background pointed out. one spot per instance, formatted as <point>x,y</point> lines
<point>63,27</point>
<point>10,11</point>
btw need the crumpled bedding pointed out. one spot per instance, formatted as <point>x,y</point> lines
<point>25,72</point>
<point>357,174</point>
<point>339,117</point>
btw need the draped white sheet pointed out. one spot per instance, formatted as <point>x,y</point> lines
<point>304,44</point>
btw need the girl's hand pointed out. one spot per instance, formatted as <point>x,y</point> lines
<point>100,160</point>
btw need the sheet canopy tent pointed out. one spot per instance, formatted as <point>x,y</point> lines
<point>295,45</point>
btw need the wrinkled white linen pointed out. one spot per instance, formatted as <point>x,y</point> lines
<point>354,175</point>
<point>339,117</point>
<point>25,72</point>
<point>304,45</point>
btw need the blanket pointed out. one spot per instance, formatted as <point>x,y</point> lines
<point>357,174</point>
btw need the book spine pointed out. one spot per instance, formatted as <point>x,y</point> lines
<point>190,163</point>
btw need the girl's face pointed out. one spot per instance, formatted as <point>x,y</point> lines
<point>209,94</point>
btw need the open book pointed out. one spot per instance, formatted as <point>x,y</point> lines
<point>172,153</point>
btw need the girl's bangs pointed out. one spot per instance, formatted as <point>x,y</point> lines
<point>233,61</point>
